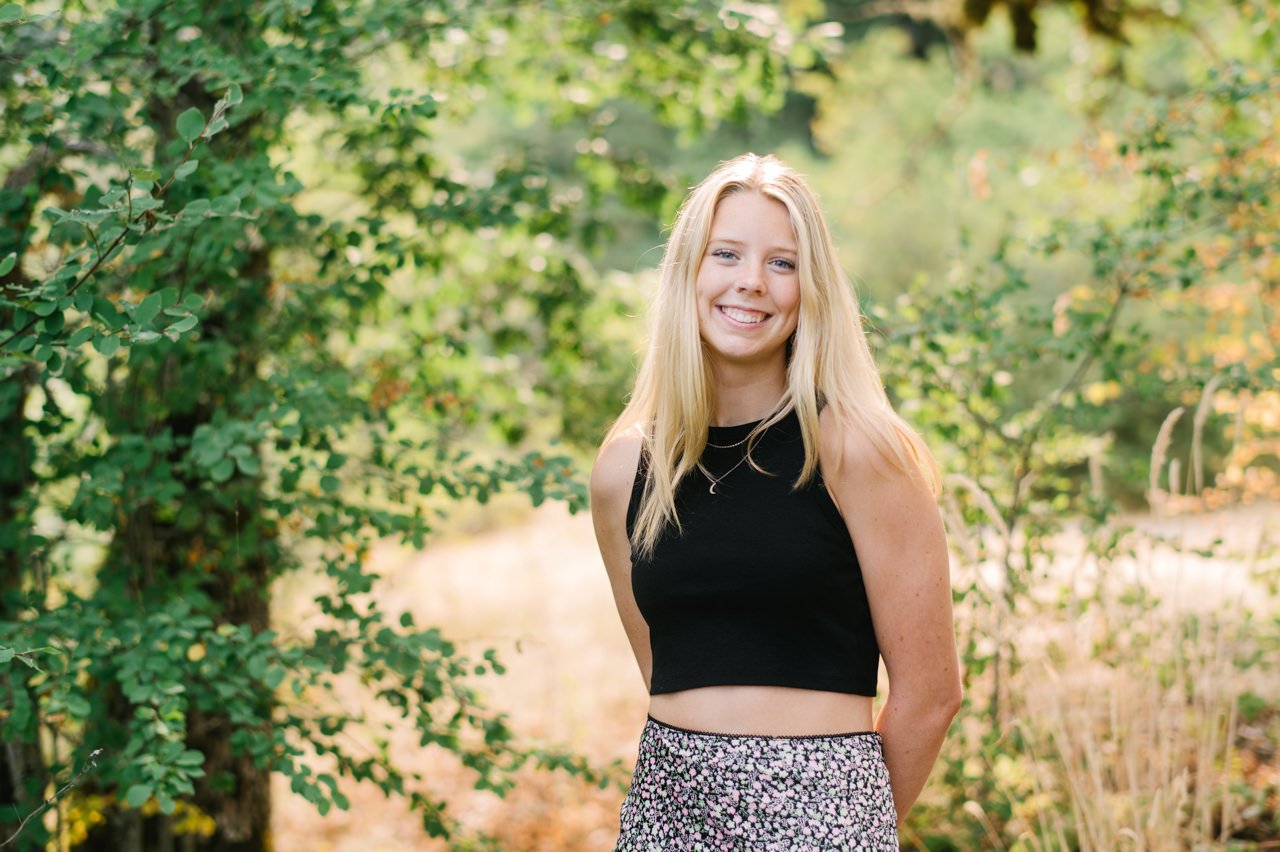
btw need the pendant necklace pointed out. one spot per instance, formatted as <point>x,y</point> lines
<point>716,480</point>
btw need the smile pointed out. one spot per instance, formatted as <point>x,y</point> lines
<point>744,317</point>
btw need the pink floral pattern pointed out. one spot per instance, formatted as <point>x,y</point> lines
<point>695,791</point>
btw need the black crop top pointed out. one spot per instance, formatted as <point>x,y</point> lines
<point>762,586</point>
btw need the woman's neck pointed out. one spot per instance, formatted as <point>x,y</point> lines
<point>746,401</point>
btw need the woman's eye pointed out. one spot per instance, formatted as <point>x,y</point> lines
<point>783,263</point>
<point>723,254</point>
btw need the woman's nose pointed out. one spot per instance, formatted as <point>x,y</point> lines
<point>750,281</point>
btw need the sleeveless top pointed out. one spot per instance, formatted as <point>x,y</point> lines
<point>762,585</point>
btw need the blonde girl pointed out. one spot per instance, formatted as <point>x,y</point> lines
<point>770,533</point>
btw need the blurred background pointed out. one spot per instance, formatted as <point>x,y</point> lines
<point>313,313</point>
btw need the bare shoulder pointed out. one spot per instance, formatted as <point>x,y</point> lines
<point>850,454</point>
<point>614,471</point>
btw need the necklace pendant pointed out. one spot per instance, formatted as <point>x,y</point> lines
<point>712,489</point>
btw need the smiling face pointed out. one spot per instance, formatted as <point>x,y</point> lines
<point>748,289</point>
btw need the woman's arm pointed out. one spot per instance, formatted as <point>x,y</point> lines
<point>611,481</point>
<point>898,535</point>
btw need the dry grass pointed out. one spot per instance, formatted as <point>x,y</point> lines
<point>1114,734</point>
<point>1132,708</point>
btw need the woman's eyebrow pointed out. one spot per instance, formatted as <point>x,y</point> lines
<point>791,249</point>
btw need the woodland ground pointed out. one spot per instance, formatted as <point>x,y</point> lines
<point>537,592</point>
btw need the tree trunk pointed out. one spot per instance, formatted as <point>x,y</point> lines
<point>152,547</point>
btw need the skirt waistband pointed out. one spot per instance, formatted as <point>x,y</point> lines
<point>659,723</point>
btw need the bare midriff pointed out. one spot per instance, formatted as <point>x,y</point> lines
<point>763,710</point>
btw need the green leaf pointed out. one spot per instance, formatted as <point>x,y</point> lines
<point>6,265</point>
<point>7,654</point>
<point>183,325</point>
<point>191,125</point>
<point>105,310</point>
<point>248,464</point>
<point>138,795</point>
<point>184,171</point>
<point>54,323</point>
<point>190,758</point>
<point>197,207</point>
<point>330,484</point>
<point>144,173</point>
<point>106,344</point>
<point>149,309</point>
<point>225,204</point>
<point>79,706</point>
<point>10,12</point>
<point>233,95</point>
<point>222,471</point>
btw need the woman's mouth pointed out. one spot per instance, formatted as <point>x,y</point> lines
<point>743,316</point>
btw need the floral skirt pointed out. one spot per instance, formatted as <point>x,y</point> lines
<point>701,791</point>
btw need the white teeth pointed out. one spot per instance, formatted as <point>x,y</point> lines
<point>743,316</point>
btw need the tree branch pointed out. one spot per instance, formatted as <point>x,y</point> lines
<point>90,765</point>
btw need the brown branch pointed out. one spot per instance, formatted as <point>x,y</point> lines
<point>72,289</point>
<point>981,419</point>
<point>90,764</point>
<point>1022,471</point>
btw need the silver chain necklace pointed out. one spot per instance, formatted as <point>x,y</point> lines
<point>716,480</point>
<point>727,446</point>
<point>737,443</point>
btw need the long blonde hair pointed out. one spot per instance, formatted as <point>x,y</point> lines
<point>830,363</point>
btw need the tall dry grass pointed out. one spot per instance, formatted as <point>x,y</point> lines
<point>1134,723</point>
<point>1131,699</point>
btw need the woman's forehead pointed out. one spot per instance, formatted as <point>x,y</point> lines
<point>750,216</point>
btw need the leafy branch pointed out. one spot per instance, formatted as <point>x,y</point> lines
<point>193,127</point>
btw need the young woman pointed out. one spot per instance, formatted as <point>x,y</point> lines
<point>770,532</point>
